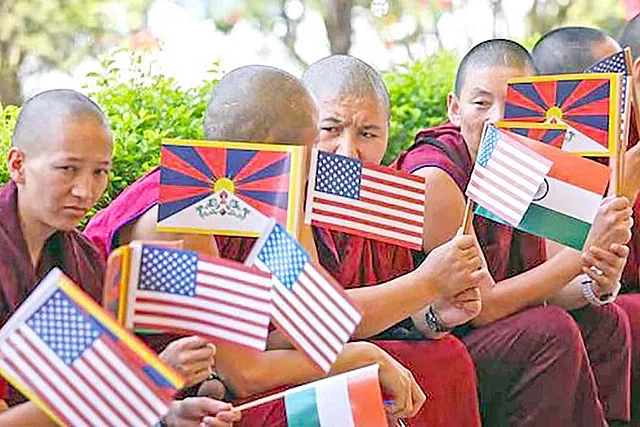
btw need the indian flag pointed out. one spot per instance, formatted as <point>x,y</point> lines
<point>351,399</point>
<point>567,201</point>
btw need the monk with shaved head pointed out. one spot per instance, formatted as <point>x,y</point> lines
<point>59,163</point>
<point>544,355</point>
<point>577,49</point>
<point>258,104</point>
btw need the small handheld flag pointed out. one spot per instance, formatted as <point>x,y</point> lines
<point>174,290</point>
<point>308,305</point>
<point>229,188</point>
<point>376,202</point>
<point>566,202</point>
<point>589,104</point>
<point>506,176</point>
<point>73,361</point>
<point>352,399</point>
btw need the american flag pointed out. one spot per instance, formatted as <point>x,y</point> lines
<point>308,305</point>
<point>617,63</point>
<point>371,201</point>
<point>78,367</point>
<point>181,291</point>
<point>506,176</point>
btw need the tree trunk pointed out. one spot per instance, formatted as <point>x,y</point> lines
<point>338,23</point>
<point>9,86</point>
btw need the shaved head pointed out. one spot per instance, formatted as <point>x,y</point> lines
<point>261,104</point>
<point>572,50</point>
<point>631,36</point>
<point>490,54</point>
<point>339,75</point>
<point>47,113</point>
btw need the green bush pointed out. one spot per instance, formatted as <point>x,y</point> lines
<point>8,116</point>
<point>418,95</point>
<point>143,111</point>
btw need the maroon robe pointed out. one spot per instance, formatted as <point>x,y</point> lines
<point>533,367</point>
<point>446,374</point>
<point>67,250</point>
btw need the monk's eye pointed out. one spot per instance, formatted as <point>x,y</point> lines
<point>101,172</point>
<point>330,129</point>
<point>481,103</point>
<point>67,169</point>
<point>369,135</point>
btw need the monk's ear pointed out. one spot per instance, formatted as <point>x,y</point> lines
<point>453,109</point>
<point>15,164</point>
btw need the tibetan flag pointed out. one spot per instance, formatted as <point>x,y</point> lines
<point>352,399</point>
<point>566,204</point>
<point>309,306</point>
<point>589,104</point>
<point>375,202</point>
<point>550,133</point>
<point>72,360</point>
<point>506,176</point>
<point>229,188</point>
<point>174,290</point>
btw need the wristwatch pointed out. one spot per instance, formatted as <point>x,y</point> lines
<point>589,295</point>
<point>434,322</point>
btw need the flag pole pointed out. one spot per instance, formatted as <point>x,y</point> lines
<point>260,401</point>
<point>468,217</point>
<point>624,141</point>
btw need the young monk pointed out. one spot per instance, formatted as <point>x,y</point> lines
<point>59,164</point>
<point>354,114</point>
<point>571,50</point>
<point>265,104</point>
<point>536,365</point>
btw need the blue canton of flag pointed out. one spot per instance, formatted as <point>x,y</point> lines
<point>308,305</point>
<point>488,145</point>
<point>338,175</point>
<point>284,257</point>
<point>615,63</point>
<point>64,328</point>
<point>168,270</point>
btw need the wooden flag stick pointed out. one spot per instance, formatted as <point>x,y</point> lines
<point>260,401</point>
<point>468,217</point>
<point>624,140</point>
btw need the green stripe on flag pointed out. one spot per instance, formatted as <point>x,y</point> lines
<point>550,224</point>
<point>302,410</point>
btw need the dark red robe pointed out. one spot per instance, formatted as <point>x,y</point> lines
<point>443,368</point>
<point>533,367</point>
<point>68,250</point>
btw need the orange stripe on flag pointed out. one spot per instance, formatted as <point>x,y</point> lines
<point>366,399</point>
<point>570,168</point>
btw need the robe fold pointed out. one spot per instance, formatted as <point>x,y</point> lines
<point>68,250</point>
<point>539,351</point>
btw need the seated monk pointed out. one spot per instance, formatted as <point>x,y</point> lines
<point>54,182</point>
<point>544,356</point>
<point>354,113</point>
<point>570,50</point>
<point>264,104</point>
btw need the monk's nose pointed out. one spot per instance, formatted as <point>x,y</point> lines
<point>348,146</point>
<point>83,187</point>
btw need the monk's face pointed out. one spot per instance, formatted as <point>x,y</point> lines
<point>355,127</point>
<point>482,99</point>
<point>64,176</point>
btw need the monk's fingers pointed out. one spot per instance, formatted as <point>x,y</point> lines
<point>197,377</point>
<point>602,281</point>
<point>418,398</point>
<point>200,355</point>
<point>621,251</point>
<point>602,259</point>
<point>193,342</point>
<point>467,295</point>
<point>464,242</point>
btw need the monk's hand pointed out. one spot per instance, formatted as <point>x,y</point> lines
<point>612,224</point>
<point>399,383</point>
<point>193,357</point>
<point>605,267</point>
<point>460,309</point>
<point>201,412</point>
<point>454,267</point>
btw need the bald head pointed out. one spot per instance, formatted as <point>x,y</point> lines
<point>47,114</point>
<point>261,104</point>
<point>490,54</point>
<point>631,36</point>
<point>338,76</point>
<point>572,50</point>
